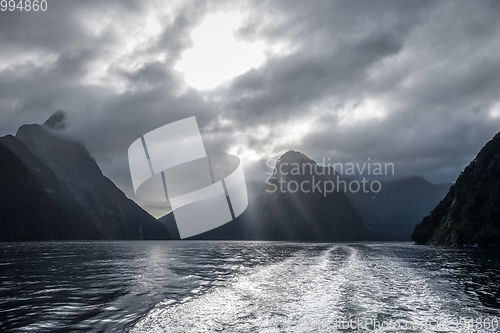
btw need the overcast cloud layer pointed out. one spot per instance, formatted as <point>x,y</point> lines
<point>414,83</point>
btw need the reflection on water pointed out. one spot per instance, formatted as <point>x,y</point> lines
<point>238,286</point>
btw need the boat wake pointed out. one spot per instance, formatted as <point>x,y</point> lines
<point>318,289</point>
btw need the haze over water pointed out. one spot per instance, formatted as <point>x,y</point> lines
<point>187,286</point>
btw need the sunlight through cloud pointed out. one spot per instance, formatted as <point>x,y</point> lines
<point>495,111</point>
<point>216,55</point>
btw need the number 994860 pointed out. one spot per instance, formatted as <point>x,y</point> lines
<point>23,5</point>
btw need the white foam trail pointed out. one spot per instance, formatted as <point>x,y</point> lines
<point>309,293</point>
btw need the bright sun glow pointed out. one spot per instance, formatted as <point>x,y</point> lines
<point>495,111</point>
<point>216,55</point>
<point>369,109</point>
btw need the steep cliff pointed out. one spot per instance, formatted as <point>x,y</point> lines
<point>89,205</point>
<point>26,210</point>
<point>470,213</point>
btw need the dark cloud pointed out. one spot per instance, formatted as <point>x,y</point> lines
<point>413,83</point>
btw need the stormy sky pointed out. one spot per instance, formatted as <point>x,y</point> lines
<point>414,83</point>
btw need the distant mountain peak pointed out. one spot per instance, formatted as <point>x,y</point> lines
<point>87,205</point>
<point>294,156</point>
<point>410,179</point>
<point>57,121</point>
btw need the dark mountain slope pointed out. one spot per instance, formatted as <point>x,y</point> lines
<point>306,215</point>
<point>470,213</point>
<point>87,205</point>
<point>26,211</point>
<point>104,205</point>
<point>75,217</point>
<point>277,215</point>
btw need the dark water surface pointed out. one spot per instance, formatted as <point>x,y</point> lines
<point>183,286</point>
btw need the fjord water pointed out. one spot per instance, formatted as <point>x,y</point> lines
<point>182,286</point>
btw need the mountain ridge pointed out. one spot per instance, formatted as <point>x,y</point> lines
<point>469,214</point>
<point>74,183</point>
<point>384,214</point>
